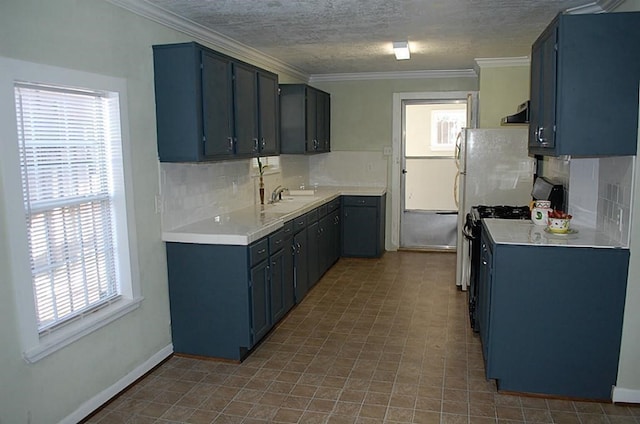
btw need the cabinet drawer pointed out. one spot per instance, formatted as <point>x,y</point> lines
<point>299,223</point>
<point>361,200</point>
<point>276,241</point>
<point>322,210</point>
<point>333,205</point>
<point>312,216</point>
<point>259,251</point>
<point>287,229</point>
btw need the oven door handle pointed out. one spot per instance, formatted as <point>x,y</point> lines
<point>467,232</point>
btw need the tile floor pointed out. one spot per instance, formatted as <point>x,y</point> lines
<point>376,341</point>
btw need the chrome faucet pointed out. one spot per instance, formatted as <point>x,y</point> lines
<point>277,194</point>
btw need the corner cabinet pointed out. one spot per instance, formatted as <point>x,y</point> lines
<point>556,331</point>
<point>305,119</point>
<point>224,298</point>
<point>584,86</point>
<point>363,226</point>
<point>212,107</point>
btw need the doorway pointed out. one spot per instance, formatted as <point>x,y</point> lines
<point>428,197</point>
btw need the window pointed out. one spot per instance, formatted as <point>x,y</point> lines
<point>67,196</point>
<point>67,139</point>
<point>445,127</point>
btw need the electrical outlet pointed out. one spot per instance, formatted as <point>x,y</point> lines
<point>369,167</point>
<point>387,151</point>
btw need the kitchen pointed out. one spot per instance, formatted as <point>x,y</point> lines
<point>99,37</point>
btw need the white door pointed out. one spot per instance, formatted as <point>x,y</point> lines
<point>429,208</point>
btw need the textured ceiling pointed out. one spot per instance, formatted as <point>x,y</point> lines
<point>353,36</point>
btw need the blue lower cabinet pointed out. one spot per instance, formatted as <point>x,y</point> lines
<point>551,318</point>
<point>363,226</point>
<point>277,293</point>
<point>225,299</point>
<point>301,264</point>
<point>260,303</point>
<point>288,266</point>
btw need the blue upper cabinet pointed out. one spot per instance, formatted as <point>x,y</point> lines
<point>212,107</point>
<point>305,119</point>
<point>585,73</point>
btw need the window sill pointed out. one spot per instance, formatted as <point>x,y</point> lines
<point>74,331</point>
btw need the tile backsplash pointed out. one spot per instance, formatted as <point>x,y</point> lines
<point>191,192</point>
<point>349,168</point>
<point>598,191</point>
<point>615,190</point>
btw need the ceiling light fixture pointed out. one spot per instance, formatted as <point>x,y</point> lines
<point>401,50</point>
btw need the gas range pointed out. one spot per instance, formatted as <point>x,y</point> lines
<point>500,211</point>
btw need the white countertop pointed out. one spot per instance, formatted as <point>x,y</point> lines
<point>525,232</point>
<point>244,226</point>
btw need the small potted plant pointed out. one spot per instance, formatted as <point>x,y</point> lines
<point>261,169</point>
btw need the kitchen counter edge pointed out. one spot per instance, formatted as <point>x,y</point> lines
<point>244,226</point>
<point>525,232</point>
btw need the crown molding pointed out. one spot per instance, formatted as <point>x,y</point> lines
<point>500,62</point>
<point>609,5</point>
<point>598,6</point>
<point>363,76</point>
<point>205,35</point>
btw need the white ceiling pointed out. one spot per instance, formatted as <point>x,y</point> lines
<point>355,36</point>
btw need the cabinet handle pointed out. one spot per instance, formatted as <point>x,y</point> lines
<point>255,145</point>
<point>278,242</point>
<point>293,249</point>
<point>263,143</point>
<point>261,251</point>
<point>230,140</point>
<point>298,248</point>
<point>484,262</point>
<point>540,136</point>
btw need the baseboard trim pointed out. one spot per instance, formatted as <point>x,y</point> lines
<point>622,395</point>
<point>101,398</point>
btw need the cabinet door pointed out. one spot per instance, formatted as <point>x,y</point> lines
<point>245,80</point>
<point>313,257</point>
<point>542,129</point>
<point>268,113</point>
<point>334,236</point>
<point>260,314</point>
<point>323,128</point>
<point>301,264</point>
<point>277,290</point>
<point>324,243</point>
<point>217,106</point>
<point>310,120</point>
<point>288,278</point>
<point>359,231</point>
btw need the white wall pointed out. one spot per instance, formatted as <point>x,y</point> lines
<point>92,36</point>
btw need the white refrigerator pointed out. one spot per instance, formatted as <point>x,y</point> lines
<point>494,169</point>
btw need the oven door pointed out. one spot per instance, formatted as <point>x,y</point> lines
<point>475,230</point>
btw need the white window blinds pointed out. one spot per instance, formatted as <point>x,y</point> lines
<point>69,140</point>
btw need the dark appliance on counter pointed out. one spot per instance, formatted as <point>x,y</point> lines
<point>543,189</point>
<point>519,118</point>
<point>473,232</point>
